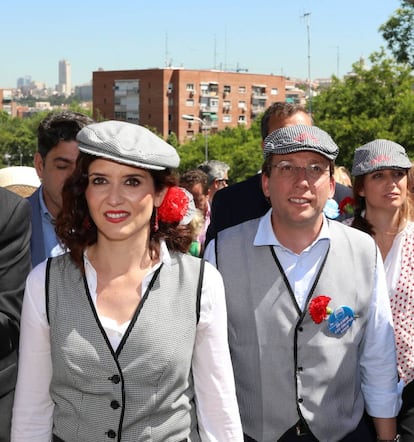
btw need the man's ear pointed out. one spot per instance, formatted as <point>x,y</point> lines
<point>332,186</point>
<point>38,164</point>
<point>265,185</point>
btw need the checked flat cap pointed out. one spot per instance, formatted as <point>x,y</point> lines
<point>377,155</point>
<point>299,138</point>
<point>127,143</point>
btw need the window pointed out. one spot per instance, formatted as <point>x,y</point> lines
<point>274,91</point>
<point>226,106</point>
<point>189,103</point>
<point>226,118</point>
<point>226,89</point>
<point>214,104</point>
<point>242,89</point>
<point>213,88</point>
<point>242,105</point>
<point>242,119</point>
<point>204,88</point>
<point>189,87</point>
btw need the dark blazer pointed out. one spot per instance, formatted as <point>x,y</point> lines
<point>14,267</point>
<point>37,244</point>
<point>244,201</point>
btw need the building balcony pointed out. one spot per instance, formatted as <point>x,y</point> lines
<point>256,110</point>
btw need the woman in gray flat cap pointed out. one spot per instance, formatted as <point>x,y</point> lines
<point>384,210</point>
<point>124,337</point>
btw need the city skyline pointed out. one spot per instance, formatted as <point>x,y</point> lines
<point>263,37</point>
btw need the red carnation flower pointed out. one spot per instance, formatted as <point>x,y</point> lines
<point>318,308</point>
<point>347,205</point>
<point>174,206</point>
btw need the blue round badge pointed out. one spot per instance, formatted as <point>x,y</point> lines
<point>340,320</point>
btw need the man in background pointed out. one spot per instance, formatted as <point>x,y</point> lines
<point>196,182</point>
<point>14,268</point>
<point>217,173</point>
<point>245,200</point>
<point>54,161</point>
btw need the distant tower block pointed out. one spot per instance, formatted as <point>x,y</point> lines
<point>65,78</point>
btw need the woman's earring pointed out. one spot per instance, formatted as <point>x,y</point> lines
<point>156,220</point>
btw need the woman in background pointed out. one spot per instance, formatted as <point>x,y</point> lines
<point>384,210</point>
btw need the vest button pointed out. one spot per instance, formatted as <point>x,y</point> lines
<point>111,434</point>
<point>300,400</point>
<point>300,329</point>
<point>300,368</point>
<point>115,405</point>
<point>116,379</point>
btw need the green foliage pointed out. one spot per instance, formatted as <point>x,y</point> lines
<point>76,106</point>
<point>371,103</point>
<point>18,139</point>
<point>172,139</point>
<point>398,32</point>
<point>238,147</point>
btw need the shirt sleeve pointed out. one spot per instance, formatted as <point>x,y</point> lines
<point>33,406</point>
<point>217,408</point>
<point>378,359</point>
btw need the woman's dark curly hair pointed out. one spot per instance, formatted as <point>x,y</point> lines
<point>76,229</point>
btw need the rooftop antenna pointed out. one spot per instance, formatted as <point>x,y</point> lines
<point>306,16</point>
<point>167,55</point>
<point>337,61</point>
<point>225,48</point>
<point>215,52</point>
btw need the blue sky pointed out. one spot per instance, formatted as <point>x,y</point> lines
<point>263,36</point>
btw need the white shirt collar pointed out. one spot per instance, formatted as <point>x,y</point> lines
<point>266,236</point>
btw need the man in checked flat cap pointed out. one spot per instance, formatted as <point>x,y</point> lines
<point>310,326</point>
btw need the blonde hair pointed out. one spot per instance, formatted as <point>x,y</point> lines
<point>342,176</point>
<point>410,190</point>
<point>196,224</point>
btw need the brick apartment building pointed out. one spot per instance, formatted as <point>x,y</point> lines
<point>158,98</point>
<point>6,102</point>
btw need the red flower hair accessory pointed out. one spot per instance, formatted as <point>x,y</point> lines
<point>318,308</point>
<point>174,206</point>
<point>347,206</point>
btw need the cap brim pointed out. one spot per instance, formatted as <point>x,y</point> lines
<point>118,159</point>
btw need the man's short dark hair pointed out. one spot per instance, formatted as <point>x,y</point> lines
<point>61,126</point>
<point>194,176</point>
<point>282,110</point>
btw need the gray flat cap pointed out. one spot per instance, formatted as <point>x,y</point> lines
<point>127,143</point>
<point>377,155</point>
<point>298,138</point>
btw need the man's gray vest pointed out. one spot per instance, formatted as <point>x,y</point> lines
<point>285,365</point>
<point>144,390</point>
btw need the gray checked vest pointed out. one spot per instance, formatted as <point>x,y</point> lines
<point>286,366</point>
<point>143,391</point>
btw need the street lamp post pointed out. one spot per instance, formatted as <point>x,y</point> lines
<point>307,17</point>
<point>204,128</point>
<point>7,158</point>
<point>20,155</point>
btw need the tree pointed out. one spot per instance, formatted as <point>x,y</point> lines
<point>398,32</point>
<point>172,139</point>
<point>370,103</point>
<point>18,141</point>
<point>238,147</point>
